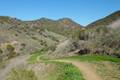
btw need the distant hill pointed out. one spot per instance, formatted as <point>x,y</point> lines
<point>62,26</point>
<point>106,21</point>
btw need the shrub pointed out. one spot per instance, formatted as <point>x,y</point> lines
<point>1,51</point>
<point>35,38</point>
<point>23,45</point>
<point>10,48</point>
<point>11,51</point>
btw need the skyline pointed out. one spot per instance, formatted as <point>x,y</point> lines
<point>82,12</point>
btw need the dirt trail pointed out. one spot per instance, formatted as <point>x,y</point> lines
<point>17,61</point>
<point>86,69</point>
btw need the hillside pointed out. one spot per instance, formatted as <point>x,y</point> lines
<point>103,35</point>
<point>106,20</point>
<point>25,37</point>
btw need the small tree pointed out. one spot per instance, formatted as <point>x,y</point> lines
<point>80,34</point>
<point>75,34</point>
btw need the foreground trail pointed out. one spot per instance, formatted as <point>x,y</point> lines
<point>15,62</point>
<point>86,69</point>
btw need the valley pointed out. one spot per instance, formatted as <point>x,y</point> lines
<point>62,49</point>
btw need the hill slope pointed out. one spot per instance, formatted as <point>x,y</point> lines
<point>107,20</point>
<point>28,36</point>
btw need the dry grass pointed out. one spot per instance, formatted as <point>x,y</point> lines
<point>108,70</point>
<point>21,74</point>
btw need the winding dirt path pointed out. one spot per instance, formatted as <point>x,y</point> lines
<point>15,62</point>
<point>89,73</point>
<point>86,69</point>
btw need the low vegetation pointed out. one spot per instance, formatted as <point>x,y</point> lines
<point>21,74</point>
<point>2,64</point>
<point>69,72</point>
<point>108,70</point>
